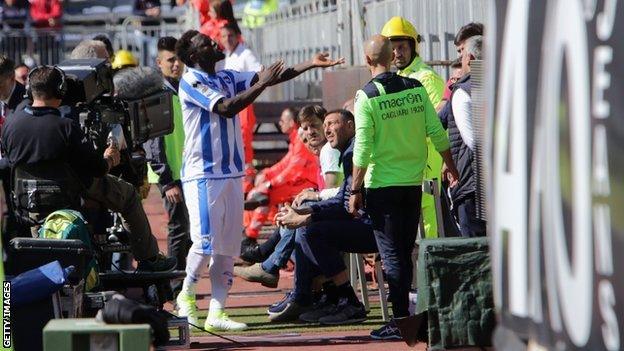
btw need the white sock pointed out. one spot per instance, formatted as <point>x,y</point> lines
<point>195,265</point>
<point>221,277</point>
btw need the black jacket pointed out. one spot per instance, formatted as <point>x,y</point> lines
<point>17,96</point>
<point>338,206</point>
<point>38,134</point>
<point>462,155</point>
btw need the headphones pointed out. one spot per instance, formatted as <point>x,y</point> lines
<point>61,89</point>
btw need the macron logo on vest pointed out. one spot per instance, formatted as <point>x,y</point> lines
<point>408,99</point>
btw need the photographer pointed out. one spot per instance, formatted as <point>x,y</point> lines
<point>38,134</point>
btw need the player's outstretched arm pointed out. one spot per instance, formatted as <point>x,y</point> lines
<point>267,77</point>
<point>319,60</point>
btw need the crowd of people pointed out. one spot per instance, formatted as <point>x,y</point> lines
<point>16,14</point>
<point>213,13</point>
<point>351,181</point>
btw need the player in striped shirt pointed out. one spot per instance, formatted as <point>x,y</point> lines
<point>213,165</point>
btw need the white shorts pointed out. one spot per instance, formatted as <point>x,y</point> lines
<point>215,208</point>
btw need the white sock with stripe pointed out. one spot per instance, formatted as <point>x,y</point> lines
<point>221,277</point>
<point>195,265</point>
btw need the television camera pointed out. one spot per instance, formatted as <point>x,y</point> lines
<point>126,114</point>
<point>141,112</point>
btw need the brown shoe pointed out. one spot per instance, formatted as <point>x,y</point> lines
<point>256,274</point>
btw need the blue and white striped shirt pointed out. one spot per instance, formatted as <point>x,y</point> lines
<point>213,144</point>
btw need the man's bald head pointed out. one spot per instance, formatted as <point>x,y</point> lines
<point>378,51</point>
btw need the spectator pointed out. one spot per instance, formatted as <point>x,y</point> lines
<point>148,8</point>
<point>46,13</point>
<point>391,149</point>
<point>461,134</point>
<point>296,171</point>
<point>240,58</point>
<point>221,13</point>
<point>406,47</point>
<point>237,55</point>
<point>109,46</point>
<point>21,73</point>
<point>13,13</point>
<point>165,158</point>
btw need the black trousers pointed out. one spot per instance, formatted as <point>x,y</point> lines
<point>395,211</point>
<point>324,242</point>
<point>469,225</point>
<point>179,237</point>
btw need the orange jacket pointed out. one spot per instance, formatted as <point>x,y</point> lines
<point>212,28</point>
<point>248,122</point>
<point>203,7</point>
<point>299,165</point>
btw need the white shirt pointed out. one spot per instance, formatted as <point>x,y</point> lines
<point>329,159</point>
<point>330,163</point>
<point>242,59</point>
<point>213,144</point>
<point>461,104</point>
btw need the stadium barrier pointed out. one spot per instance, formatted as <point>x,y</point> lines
<point>340,27</point>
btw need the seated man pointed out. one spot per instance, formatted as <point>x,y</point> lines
<point>323,231</point>
<point>266,271</point>
<point>296,171</point>
<point>38,134</point>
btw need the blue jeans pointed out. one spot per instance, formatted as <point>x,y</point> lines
<point>305,271</point>
<point>284,249</point>
<point>282,252</point>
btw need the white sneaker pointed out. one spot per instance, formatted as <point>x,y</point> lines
<point>186,307</point>
<point>221,322</point>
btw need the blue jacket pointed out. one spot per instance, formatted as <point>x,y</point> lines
<point>338,206</point>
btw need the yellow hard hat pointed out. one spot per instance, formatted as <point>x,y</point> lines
<point>124,58</point>
<point>400,28</point>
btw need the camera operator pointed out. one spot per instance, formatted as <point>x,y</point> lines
<point>39,134</point>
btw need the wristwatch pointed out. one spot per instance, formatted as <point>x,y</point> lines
<point>356,191</point>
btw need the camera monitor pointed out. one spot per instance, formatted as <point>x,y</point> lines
<point>150,116</point>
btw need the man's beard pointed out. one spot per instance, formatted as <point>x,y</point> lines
<point>218,56</point>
